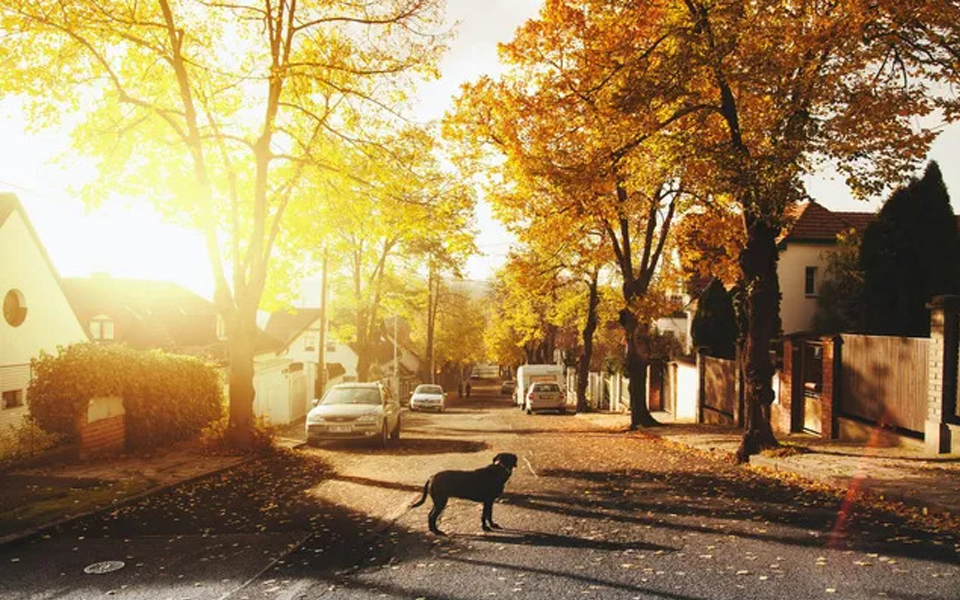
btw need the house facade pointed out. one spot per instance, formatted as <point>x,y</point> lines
<point>805,246</point>
<point>36,313</point>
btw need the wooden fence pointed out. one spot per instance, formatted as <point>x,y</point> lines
<point>883,379</point>
<point>720,395</point>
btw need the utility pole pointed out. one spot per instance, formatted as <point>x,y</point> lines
<point>396,362</point>
<point>321,380</point>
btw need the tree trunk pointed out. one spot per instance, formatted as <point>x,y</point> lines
<point>583,369</point>
<point>758,262</point>
<point>241,344</point>
<point>638,357</point>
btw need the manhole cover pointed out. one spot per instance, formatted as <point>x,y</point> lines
<point>100,568</point>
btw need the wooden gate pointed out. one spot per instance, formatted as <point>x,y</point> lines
<point>812,369</point>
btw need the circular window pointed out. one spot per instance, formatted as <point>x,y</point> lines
<point>14,308</point>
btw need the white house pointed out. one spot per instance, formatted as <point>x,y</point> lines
<point>36,313</point>
<point>804,248</point>
<point>299,333</point>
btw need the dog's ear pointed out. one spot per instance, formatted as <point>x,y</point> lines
<point>506,459</point>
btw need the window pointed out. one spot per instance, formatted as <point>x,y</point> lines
<point>331,346</point>
<point>310,341</point>
<point>810,281</point>
<point>14,308</point>
<point>12,399</point>
<point>221,328</point>
<point>101,327</point>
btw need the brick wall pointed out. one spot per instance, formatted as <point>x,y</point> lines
<point>102,429</point>
<point>830,394</point>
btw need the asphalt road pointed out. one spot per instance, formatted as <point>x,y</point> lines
<point>591,511</point>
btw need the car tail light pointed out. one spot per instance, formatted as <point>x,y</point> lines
<point>530,396</point>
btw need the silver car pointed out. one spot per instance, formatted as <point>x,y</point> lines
<point>355,411</point>
<point>428,397</point>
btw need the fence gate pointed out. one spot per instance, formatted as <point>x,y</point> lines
<point>812,370</point>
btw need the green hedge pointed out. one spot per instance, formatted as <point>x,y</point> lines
<point>167,397</point>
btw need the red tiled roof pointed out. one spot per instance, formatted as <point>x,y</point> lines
<point>815,223</point>
<point>812,222</point>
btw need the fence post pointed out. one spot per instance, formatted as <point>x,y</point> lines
<point>830,393</point>
<point>789,380</point>
<point>701,352</point>
<point>942,373</point>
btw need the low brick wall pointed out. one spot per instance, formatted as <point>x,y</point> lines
<point>102,430</point>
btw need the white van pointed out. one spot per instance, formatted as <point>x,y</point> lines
<point>529,374</point>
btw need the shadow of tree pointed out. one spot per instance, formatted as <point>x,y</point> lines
<point>407,446</point>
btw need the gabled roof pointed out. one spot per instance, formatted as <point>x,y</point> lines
<point>812,222</point>
<point>287,325</point>
<point>9,203</point>
<point>150,314</point>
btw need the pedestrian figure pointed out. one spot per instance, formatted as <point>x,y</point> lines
<point>468,388</point>
<point>460,389</point>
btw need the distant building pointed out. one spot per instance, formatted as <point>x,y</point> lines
<point>36,313</point>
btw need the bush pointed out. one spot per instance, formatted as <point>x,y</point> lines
<point>167,397</point>
<point>25,439</point>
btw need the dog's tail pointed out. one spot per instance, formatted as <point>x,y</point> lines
<point>423,498</point>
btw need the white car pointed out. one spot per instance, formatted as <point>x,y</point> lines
<point>428,397</point>
<point>545,396</point>
<point>355,410</point>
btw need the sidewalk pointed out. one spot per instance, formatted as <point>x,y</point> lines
<point>904,474</point>
<point>33,500</point>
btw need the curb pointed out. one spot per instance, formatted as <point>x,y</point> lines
<point>20,537</point>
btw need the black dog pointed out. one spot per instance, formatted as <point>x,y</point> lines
<point>483,485</point>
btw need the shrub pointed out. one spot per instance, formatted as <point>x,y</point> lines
<point>167,397</point>
<point>25,439</point>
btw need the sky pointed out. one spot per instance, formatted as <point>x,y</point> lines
<point>128,239</point>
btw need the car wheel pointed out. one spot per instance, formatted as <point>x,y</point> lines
<point>384,436</point>
<point>529,411</point>
<point>395,434</point>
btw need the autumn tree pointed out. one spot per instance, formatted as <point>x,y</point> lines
<point>557,120</point>
<point>388,214</point>
<point>215,112</point>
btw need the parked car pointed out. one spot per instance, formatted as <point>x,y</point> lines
<point>508,387</point>
<point>545,396</point>
<point>428,397</point>
<point>355,411</point>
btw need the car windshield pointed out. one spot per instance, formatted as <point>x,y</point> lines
<point>546,387</point>
<point>351,395</point>
<point>429,389</point>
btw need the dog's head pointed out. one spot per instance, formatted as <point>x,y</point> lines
<point>506,460</point>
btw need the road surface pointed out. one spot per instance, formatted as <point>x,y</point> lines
<point>591,512</point>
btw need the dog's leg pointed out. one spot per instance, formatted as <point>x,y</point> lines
<point>490,517</point>
<point>486,516</point>
<point>438,505</point>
